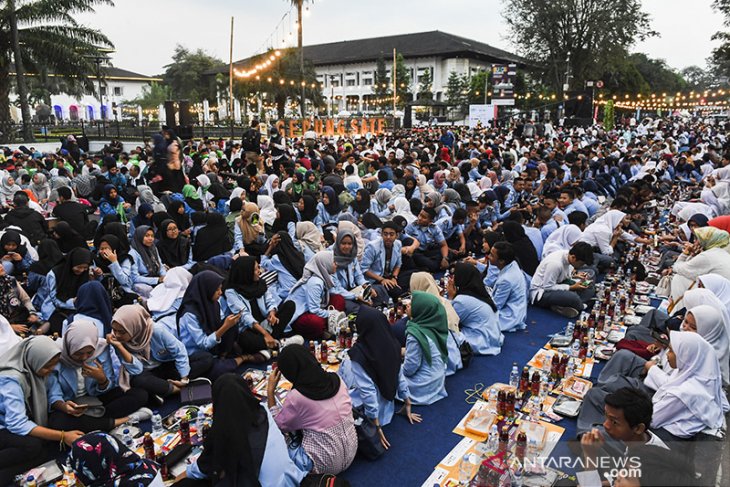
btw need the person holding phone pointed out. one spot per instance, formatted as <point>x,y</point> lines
<point>202,329</point>
<point>152,358</point>
<point>83,391</point>
<point>14,256</point>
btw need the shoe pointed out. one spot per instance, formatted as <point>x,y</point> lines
<point>156,400</point>
<point>566,311</point>
<point>266,354</point>
<point>292,340</point>
<point>142,414</point>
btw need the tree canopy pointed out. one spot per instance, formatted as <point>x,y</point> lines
<point>586,37</point>
<point>187,75</point>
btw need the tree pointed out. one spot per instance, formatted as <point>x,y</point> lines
<point>152,96</point>
<point>43,36</point>
<point>425,86</point>
<point>720,59</point>
<point>583,37</point>
<point>187,75</point>
<point>456,91</point>
<point>698,78</point>
<point>403,80</point>
<point>657,74</point>
<point>477,86</point>
<point>608,115</point>
<point>381,87</point>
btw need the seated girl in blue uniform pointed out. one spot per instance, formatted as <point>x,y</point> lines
<point>476,310</point>
<point>152,358</point>
<point>328,210</point>
<point>263,317</point>
<point>202,327</point>
<point>146,260</point>
<point>372,373</point>
<point>283,257</point>
<point>83,391</point>
<point>174,249</point>
<point>510,289</point>
<point>92,305</point>
<point>244,444</point>
<point>24,429</point>
<point>114,262</point>
<point>349,273</point>
<point>14,256</point>
<point>165,299</point>
<point>424,364</point>
<point>61,288</point>
<point>313,296</point>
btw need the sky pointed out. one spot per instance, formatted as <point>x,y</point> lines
<point>145,32</point>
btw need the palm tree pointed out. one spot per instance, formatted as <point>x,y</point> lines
<point>300,35</point>
<point>43,35</point>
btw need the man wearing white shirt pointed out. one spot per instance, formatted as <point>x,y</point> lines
<point>549,286</point>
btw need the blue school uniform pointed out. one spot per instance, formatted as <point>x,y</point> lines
<point>510,295</point>
<point>51,302</point>
<point>479,325</point>
<point>13,412</point>
<point>285,281</point>
<point>164,347</point>
<point>324,217</point>
<point>63,382</point>
<point>168,317</point>
<point>142,273</point>
<point>364,392</point>
<point>238,304</point>
<point>373,258</point>
<point>125,273</point>
<point>311,297</point>
<point>238,238</point>
<point>426,383</point>
<point>348,278</point>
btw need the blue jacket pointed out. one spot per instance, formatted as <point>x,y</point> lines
<point>373,258</point>
<point>62,384</point>
<point>510,296</point>
<point>164,347</point>
<point>239,304</point>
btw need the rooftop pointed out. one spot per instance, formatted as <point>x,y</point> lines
<point>421,44</point>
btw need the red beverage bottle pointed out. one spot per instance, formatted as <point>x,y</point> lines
<point>525,380</point>
<point>521,446</point>
<point>149,447</point>
<point>185,431</point>
<point>323,353</point>
<point>535,386</point>
<point>501,406</point>
<point>510,403</point>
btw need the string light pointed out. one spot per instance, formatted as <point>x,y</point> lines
<point>262,65</point>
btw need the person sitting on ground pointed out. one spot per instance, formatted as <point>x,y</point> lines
<point>510,290</point>
<point>72,212</point>
<point>551,285</point>
<point>31,223</point>
<point>319,406</point>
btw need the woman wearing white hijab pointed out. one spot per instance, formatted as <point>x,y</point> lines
<point>166,297</point>
<point>309,238</point>
<point>271,186</point>
<point>561,239</point>
<point>403,208</point>
<point>267,209</point>
<point>8,338</point>
<point>8,188</point>
<point>710,324</point>
<point>720,287</point>
<point>603,234</point>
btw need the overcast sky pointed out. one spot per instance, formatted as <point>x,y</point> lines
<point>145,32</point>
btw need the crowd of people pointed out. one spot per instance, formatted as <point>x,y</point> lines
<point>126,274</point>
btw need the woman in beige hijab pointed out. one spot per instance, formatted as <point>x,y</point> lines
<point>423,281</point>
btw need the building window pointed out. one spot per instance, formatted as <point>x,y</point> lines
<point>335,82</point>
<point>102,91</point>
<point>367,81</point>
<point>118,91</point>
<point>351,82</point>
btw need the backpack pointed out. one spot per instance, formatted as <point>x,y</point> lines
<point>248,142</point>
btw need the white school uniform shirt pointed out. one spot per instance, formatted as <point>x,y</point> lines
<point>552,271</point>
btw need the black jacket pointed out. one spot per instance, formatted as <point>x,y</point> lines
<point>31,223</point>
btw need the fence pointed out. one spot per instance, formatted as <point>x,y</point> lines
<point>108,129</point>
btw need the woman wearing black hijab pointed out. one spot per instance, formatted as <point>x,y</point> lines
<point>176,211</point>
<point>307,206</point>
<point>212,240</point>
<point>48,256</point>
<point>173,247</point>
<point>525,252</point>
<point>319,406</point>
<point>262,320</point>
<point>14,254</point>
<point>361,204</point>
<point>201,328</point>
<point>67,238</point>
<point>286,220</point>
<point>244,446</point>
<point>372,370</point>
<point>476,309</point>
<point>62,283</point>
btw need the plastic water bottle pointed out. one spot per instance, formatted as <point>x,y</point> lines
<point>569,329</point>
<point>127,438</point>
<point>200,422</point>
<point>575,348</point>
<point>466,469</point>
<point>157,423</point>
<point>514,376</point>
<point>493,439</point>
<point>516,477</point>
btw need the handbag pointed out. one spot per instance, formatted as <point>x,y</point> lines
<point>368,438</point>
<point>198,392</point>
<point>119,297</point>
<point>664,287</point>
<point>336,320</point>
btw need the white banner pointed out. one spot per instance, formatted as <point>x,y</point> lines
<point>480,113</point>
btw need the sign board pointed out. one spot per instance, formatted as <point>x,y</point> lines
<point>481,113</point>
<point>503,84</point>
<point>331,127</point>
